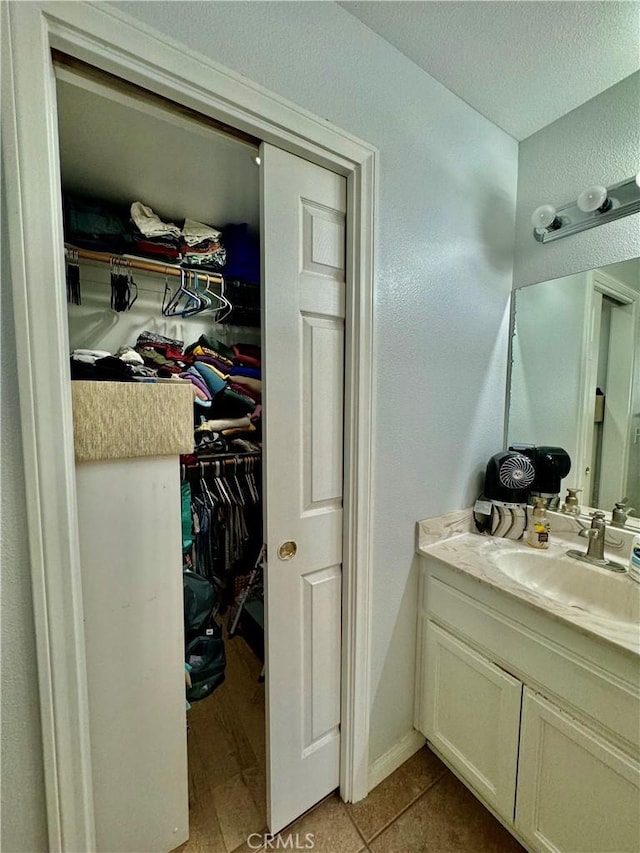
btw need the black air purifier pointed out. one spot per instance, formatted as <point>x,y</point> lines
<point>508,478</point>
<point>502,508</point>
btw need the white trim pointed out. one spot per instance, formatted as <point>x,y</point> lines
<point>617,290</point>
<point>110,40</point>
<point>37,279</point>
<point>395,757</point>
<point>358,444</point>
<point>597,281</point>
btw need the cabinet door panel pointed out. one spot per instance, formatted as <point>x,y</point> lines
<point>576,792</point>
<point>472,716</point>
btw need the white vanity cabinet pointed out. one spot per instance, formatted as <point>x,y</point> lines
<point>472,714</point>
<point>576,791</point>
<point>542,722</point>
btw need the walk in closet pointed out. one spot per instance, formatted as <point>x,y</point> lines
<point>191,361</point>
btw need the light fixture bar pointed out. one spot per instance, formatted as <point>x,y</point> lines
<point>624,198</point>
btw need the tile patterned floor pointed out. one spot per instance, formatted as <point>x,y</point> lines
<point>421,808</point>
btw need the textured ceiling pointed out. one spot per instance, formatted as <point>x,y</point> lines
<point>521,64</point>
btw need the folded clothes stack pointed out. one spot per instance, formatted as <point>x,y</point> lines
<point>162,354</point>
<point>232,376</point>
<point>195,244</point>
<point>202,246</point>
<point>136,229</point>
<point>226,382</point>
<point>152,237</point>
<point>96,225</point>
<point>99,365</point>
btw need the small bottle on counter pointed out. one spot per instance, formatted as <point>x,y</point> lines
<point>571,505</point>
<point>538,530</point>
<point>634,559</point>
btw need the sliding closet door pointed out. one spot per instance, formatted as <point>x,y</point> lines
<point>303,238</point>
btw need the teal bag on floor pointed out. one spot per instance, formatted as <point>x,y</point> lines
<point>199,603</point>
<point>205,655</point>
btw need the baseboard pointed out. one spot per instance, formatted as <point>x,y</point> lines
<point>395,757</point>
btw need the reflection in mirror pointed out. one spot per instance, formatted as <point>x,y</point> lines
<point>575,378</point>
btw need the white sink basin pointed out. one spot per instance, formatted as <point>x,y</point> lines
<point>556,576</point>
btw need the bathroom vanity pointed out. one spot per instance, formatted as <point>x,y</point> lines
<point>528,671</point>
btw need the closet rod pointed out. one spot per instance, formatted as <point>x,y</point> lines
<point>138,264</point>
<point>229,459</point>
<point>226,458</point>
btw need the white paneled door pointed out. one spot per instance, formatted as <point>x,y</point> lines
<point>303,238</point>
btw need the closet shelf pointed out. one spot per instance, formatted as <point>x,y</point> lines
<point>140,264</point>
<point>127,420</point>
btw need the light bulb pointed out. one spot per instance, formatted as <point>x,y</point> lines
<point>595,198</point>
<point>543,217</point>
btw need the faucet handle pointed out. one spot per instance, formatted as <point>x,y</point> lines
<point>620,512</point>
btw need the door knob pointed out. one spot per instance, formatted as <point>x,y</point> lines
<point>287,550</point>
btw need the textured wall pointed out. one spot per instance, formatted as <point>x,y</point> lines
<point>444,267</point>
<point>598,143</point>
<point>24,824</point>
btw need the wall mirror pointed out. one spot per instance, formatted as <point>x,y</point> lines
<point>575,378</point>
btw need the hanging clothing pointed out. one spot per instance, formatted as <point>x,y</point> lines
<point>226,516</point>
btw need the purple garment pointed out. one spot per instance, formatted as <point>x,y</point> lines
<point>193,376</point>
<point>214,362</point>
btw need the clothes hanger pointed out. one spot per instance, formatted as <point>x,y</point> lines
<point>131,284</point>
<point>171,308</point>
<point>120,293</point>
<point>190,288</point>
<point>202,294</point>
<point>223,302</point>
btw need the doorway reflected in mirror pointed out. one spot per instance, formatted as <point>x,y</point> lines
<point>575,378</point>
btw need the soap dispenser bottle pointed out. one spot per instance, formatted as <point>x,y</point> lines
<point>538,530</point>
<point>571,505</point>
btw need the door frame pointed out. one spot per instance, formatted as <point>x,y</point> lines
<point>598,282</point>
<point>112,41</point>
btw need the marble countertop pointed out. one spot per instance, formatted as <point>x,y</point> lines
<point>451,539</point>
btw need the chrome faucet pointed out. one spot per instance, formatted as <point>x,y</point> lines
<point>595,534</point>
<point>595,550</point>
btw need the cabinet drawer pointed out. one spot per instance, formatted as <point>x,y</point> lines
<point>603,698</point>
<point>472,716</point>
<point>576,792</point>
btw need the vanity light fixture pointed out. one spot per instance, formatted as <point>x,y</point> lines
<point>544,218</point>
<point>595,206</point>
<point>594,198</point>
